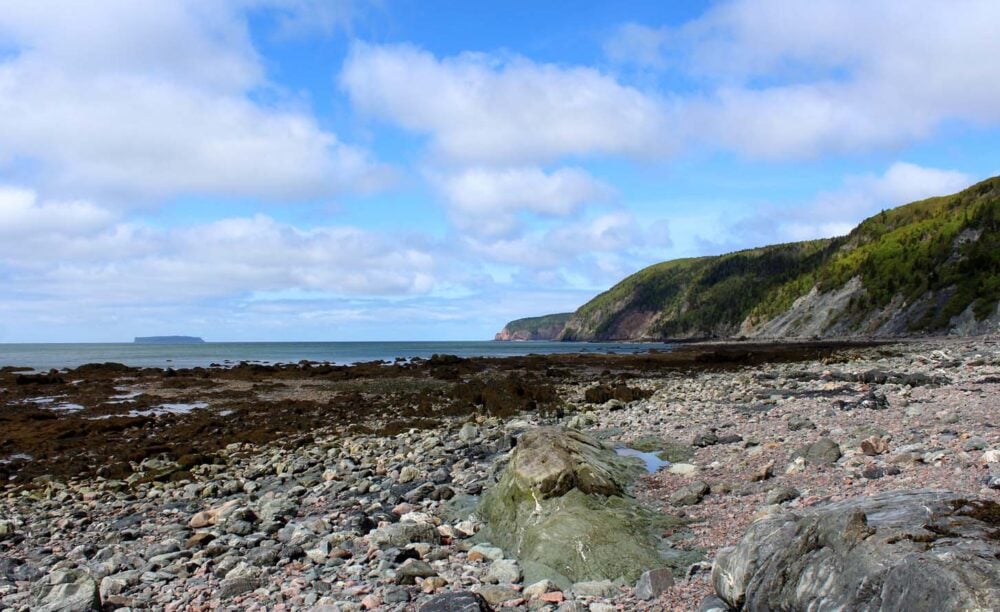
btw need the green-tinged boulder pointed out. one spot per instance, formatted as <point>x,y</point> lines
<point>562,509</point>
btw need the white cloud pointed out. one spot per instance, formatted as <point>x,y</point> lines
<point>141,100</point>
<point>489,201</point>
<point>786,79</point>
<point>509,110</point>
<point>78,251</point>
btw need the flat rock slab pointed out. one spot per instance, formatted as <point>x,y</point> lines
<point>69,590</point>
<point>912,551</point>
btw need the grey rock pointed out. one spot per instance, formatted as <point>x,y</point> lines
<point>401,534</point>
<point>462,601</point>
<point>705,439</point>
<point>395,595</point>
<point>653,583</point>
<point>497,594</point>
<point>68,590</point>
<point>690,494</point>
<point>713,604</point>
<point>468,433</point>
<point>919,550</point>
<point>780,495</point>
<point>413,569</point>
<point>798,423</point>
<point>504,571</point>
<point>822,452</point>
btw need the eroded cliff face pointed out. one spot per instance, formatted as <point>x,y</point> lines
<point>547,327</point>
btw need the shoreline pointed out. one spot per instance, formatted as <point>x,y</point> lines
<point>419,437</point>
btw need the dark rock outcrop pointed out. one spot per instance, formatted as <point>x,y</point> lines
<point>895,551</point>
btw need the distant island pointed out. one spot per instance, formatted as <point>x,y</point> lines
<point>168,340</point>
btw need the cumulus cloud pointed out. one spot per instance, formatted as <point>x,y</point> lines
<point>77,250</point>
<point>489,201</point>
<point>480,108</point>
<point>784,79</point>
<point>142,100</point>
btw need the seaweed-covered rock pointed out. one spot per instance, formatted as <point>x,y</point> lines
<point>899,550</point>
<point>561,508</point>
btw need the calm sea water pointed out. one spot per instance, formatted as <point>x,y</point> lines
<point>48,356</point>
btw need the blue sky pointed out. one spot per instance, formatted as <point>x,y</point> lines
<point>347,170</point>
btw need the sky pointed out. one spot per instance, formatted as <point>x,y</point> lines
<point>311,170</point>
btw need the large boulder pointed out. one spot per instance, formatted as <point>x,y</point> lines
<point>899,550</point>
<point>67,590</point>
<point>562,509</point>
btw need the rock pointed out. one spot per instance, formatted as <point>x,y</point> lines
<point>462,601</point>
<point>780,495</point>
<point>595,588</point>
<point>822,452</point>
<point>598,606</point>
<point>504,571</point>
<point>562,506</point>
<point>689,494</point>
<point>974,444</point>
<point>408,473</point>
<point>875,445</point>
<point>683,469</point>
<point>403,533</point>
<point>484,551</point>
<point>67,590</point>
<point>713,604</point>
<point>991,456</point>
<point>894,551</point>
<point>413,569</point>
<point>705,439</point>
<point>6,529</point>
<point>654,582</point>
<point>764,472</point>
<point>116,584</point>
<point>797,423</point>
<point>540,588</point>
<point>468,433</point>
<point>498,594</point>
<point>237,585</point>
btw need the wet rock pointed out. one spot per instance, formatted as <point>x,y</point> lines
<point>653,583</point>
<point>68,590</point>
<point>895,551</point>
<point>462,601</point>
<point>689,494</point>
<point>561,506</point>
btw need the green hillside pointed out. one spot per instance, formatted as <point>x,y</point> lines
<point>546,327</point>
<point>923,263</point>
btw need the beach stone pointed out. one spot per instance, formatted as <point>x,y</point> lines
<point>780,495</point>
<point>883,552</point>
<point>6,529</point>
<point>713,604</point>
<point>504,571</point>
<point>66,590</point>
<point>875,445</point>
<point>462,601</point>
<point>468,433</point>
<point>652,583</point>
<point>413,569</point>
<point>403,533</point>
<point>599,606</point>
<point>822,452</point>
<point>408,474</point>
<point>689,494</point>
<point>498,594</point>
<point>485,551</point>
<point>683,469</point>
<point>561,503</point>
<point>705,439</point>
<point>798,423</point>
<point>540,588</point>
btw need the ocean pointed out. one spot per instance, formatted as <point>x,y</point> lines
<point>58,356</point>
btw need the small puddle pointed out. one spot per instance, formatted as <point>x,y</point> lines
<point>653,463</point>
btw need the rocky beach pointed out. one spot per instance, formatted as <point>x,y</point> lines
<point>661,481</point>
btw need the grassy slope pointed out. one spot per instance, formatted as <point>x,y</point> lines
<point>906,251</point>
